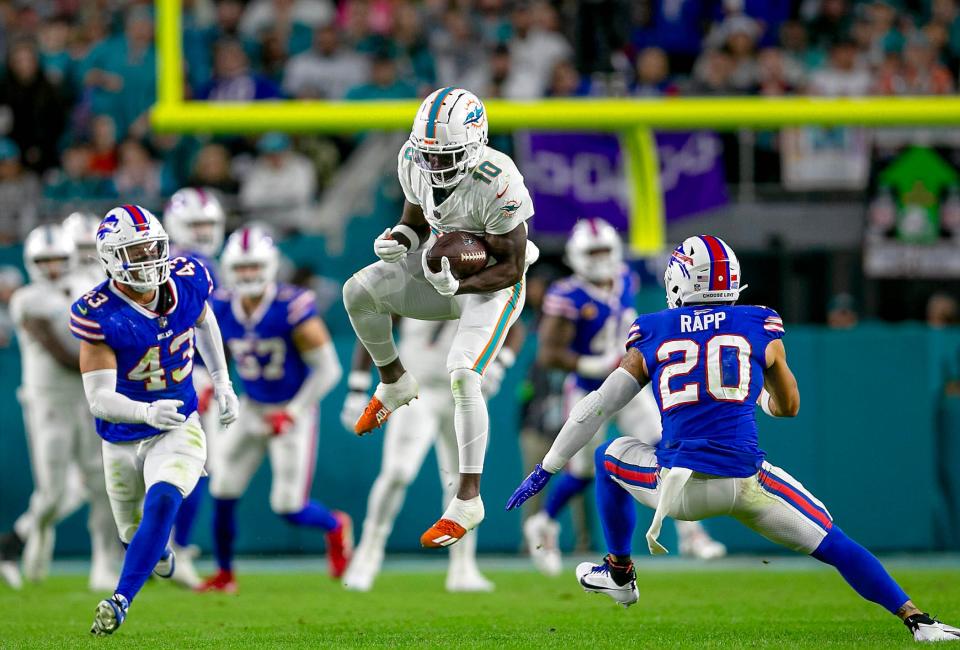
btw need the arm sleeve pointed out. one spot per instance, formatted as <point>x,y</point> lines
<point>210,345</point>
<point>588,416</point>
<point>325,372</point>
<point>100,387</point>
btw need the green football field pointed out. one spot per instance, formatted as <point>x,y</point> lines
<point>741,603</point>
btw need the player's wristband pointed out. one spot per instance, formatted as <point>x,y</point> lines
<point>764,402</point>
<point>359,381</point>
<point>407,232</point>
<point>507,357</point>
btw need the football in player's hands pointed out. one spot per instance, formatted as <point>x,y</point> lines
<point>467,253</point>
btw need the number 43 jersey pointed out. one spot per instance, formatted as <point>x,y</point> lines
<point>706,365</point>
<point>261,343</point>
<point>154,349</point>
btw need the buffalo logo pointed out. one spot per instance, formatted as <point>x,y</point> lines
<point>108,226</point>
<point>510,208</point>
<point>475,116</point>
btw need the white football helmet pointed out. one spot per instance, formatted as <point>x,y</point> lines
<point>448,136</point>
<point>195,220</point>
<point>702,269</point>
<point>250,261</point>
<point>594,250</point>
<point>81,228</point>
<point>134,248</point>
<point>47,253</point>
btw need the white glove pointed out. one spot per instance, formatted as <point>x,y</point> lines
<point>353,408</point>
<point>163,414</point>
<point>227,402</point>
<point>492,378</point>
<point>389,249</point>
<point>443,282</point>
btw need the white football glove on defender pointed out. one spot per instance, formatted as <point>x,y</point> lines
<point>444,282</point>
<point>389,249</point>
<point>227,402</point>
<point>163,414</point>
<point>353,407</point>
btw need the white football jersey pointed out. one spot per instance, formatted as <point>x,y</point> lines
<point>490,199</point>
<point>50,302</point>
<point>423,349</point>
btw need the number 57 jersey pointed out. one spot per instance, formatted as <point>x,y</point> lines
<point>706,365</point>
<point>154,348</point>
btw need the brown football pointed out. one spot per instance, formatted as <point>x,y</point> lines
<point>467,253</point>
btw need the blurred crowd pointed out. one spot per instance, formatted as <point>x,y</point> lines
<point>79,77</point>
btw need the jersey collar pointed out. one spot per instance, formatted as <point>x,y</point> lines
<point>149,313</point>
<point>254,319</point>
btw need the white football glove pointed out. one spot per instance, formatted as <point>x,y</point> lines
<point>389,249</point>
<point>163,414</point>
<point>492,378</point>
<point>353,408</point>
<point>443,282</point>
<point>227,402</point>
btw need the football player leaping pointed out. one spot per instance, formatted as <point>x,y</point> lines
<point>409,434</point>
<point>137,333</point>
<point>585,320</point>
<point>451,181</point>
<point>710,362</point>
<point>287,363</point>
<point>195,221</point>
<point>63,445</point>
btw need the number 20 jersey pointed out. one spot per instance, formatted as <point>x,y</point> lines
<point>262,345</point>
<point>155,351</point>
<point>706,365</point>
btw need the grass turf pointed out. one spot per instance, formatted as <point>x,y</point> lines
<point>757,608</point>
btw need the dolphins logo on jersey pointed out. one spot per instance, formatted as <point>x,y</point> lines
<point>509,208</point>
<point>107,226</point>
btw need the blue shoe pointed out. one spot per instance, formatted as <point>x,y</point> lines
<point>167,564</point>
<point>109,615</point>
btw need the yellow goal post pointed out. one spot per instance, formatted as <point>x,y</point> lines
<point>632,118</point>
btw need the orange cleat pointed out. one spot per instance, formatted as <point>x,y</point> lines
<point>340,545</point>
<point>443,533</point>
<point>222,581</point>
<point>373,417</point>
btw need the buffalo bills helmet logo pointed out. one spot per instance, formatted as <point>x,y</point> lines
<point>108,226</point>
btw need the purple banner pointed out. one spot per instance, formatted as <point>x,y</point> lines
<point>575,175</point>
<point>691,173</point>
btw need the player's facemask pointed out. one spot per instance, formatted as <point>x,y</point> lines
<point>204,234</point>
<point>52,268</point>
<point>249,279</point>
<point>142,265</point>
<point>445,167</point>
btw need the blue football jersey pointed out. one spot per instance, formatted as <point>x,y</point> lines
<point>261,345</point>
<point>155,351</point>
<point>208,263</point>
<point>706,365</point>
<point>597,315</point>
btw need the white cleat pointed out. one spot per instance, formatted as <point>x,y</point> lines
<point>542,535</point>
<point>10,573</point>
<point>927,629</point>
<point>166,566</point>
<point>363,569</point>
<point>468,582</point>
<point>186,574</point>
<point>702,547</point>
<point>597,579</point>
<point>38,553</point>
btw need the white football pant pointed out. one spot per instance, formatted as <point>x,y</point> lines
<point>380,290</point>
<point>241,448</point>
<point>132,468</point>
<point>67,470</point>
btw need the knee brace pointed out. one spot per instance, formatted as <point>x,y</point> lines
<point>465,385</point>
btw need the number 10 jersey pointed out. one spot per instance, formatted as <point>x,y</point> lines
<point>706,365</point>
<point>154,349</point>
